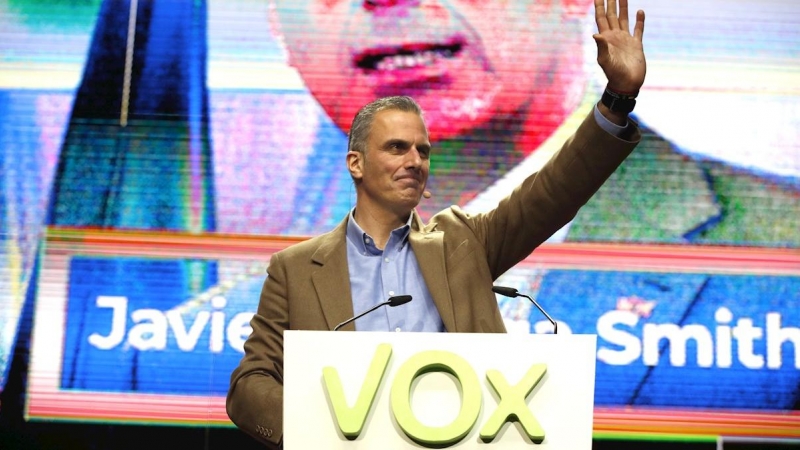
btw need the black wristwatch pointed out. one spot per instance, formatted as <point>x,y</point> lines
<point>617,102</point>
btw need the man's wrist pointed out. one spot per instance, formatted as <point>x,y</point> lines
<point>619,102</point>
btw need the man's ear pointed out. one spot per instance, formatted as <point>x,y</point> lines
<point>355,164</point>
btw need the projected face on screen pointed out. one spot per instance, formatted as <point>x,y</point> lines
<point>463,61</point>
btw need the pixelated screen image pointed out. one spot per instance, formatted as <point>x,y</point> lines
<point>155,153</point>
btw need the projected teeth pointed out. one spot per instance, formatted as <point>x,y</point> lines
<point>411,61</point>
<point>408,59</point>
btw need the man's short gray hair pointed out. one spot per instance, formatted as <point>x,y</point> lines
<point>362,123</point>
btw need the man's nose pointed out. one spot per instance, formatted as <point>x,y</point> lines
<point>413,159</point>
<point>376,4</point>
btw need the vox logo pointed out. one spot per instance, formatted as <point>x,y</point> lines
<point>512,405</point>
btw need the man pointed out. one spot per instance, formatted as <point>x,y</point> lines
<point>703,174</point>
<point>447,265</point>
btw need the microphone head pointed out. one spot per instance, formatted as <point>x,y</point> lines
<point>506,291</point>
<point>398,300</point>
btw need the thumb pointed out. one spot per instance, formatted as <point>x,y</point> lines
<point>602,44</point>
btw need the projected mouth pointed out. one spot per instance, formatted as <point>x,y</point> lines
<point>411,56</point>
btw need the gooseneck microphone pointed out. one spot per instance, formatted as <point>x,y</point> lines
<point>513,293</point>
<point>397,300</point>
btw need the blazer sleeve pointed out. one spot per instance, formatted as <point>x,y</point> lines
<point>255,396</point>
<point>548,199</point>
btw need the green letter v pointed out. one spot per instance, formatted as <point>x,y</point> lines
<point>351,420</point>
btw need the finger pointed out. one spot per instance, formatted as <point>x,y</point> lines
<point>623,16</point>
<point>638,29</point>
<point>600,15</point>
<point>611,14</point>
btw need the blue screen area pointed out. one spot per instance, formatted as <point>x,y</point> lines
<point>154,332</point>
<point>677,340</point>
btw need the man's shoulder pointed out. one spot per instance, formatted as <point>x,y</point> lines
<point>455,222</point>
<point>452,216</point>
<point>306,249</point>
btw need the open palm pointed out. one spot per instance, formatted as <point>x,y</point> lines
<point>620,53</point>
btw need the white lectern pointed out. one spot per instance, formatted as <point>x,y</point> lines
<point>369,390</point>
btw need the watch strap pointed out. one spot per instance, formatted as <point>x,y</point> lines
<point>618,101</point>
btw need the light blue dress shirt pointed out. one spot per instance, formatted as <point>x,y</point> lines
<point>376,275</point>
<point>607,125</point>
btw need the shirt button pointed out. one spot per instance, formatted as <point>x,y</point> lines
<point>398,329</point>
<point>386,260</point>
<point>391,293</point>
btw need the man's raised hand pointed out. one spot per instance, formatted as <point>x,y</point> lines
<point>620,53</point>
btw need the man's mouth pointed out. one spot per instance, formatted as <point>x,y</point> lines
<point>409,178</point>
<point>409,56</point>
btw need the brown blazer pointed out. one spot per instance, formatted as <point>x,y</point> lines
<point>459,254</point>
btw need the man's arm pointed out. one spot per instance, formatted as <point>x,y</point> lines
<point>550,198</point>
<point>255,397</point>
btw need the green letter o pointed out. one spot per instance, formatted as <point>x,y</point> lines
<point>436,361</point>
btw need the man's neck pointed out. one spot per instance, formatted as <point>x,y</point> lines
<point>379,224</point>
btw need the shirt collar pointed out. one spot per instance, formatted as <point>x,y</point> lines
<point>365,243</point>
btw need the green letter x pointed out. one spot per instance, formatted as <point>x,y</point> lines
<point>512,404</point>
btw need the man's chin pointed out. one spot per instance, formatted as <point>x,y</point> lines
<point>409,203</point>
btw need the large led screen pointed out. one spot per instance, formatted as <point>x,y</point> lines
<point>154,154</point>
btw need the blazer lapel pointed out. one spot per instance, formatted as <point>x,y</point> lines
<point>332,278</point>
<point>428,248</point>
